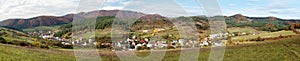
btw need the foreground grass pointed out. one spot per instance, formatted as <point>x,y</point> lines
<point>271,50</point>
<point>15,53</point>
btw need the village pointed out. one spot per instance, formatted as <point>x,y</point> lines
<point>138,43</point>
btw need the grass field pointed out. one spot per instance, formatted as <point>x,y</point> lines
<point>264,35</point>
<point>273,50</point>
<point>248,30</point>
<point>10,35</point>
<point>15,53</point>
<point>42,28</point>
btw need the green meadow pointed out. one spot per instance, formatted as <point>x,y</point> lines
<point>273,50</point>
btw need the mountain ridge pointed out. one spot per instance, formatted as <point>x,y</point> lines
<point>65,19</point>
<point>59,20</point>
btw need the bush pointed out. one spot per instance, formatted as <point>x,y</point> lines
<point>140,48</point>
<point>23,43</point>
<point>2,40</point>
<point>61,33</point>
<point>16,42</point>
<point>170,47</point>
<point>20,43</point>
<point>147,48</point>
<point>44,46</point>
<point>40,45</point>
<point>67,46</point>
<point>259,39</point>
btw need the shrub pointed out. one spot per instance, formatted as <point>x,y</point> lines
<point>170,47</point>
<point>2,40</point>
<point>67,46</point>
<point>259,39</point>
<point>24,43</point>
<point>280,36</point>
<point>147,48</point>
<point>44,46</point>
<point>16,42</point>
<point>140,48</point>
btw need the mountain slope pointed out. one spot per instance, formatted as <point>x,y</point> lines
<point>36,21</point>
<point>53,20</point>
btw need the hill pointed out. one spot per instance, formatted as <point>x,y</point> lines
<point>58,20</point>
<point>37,21</point>
<point>241,18</point>
<point>13,37</point>
<point>42,28</point>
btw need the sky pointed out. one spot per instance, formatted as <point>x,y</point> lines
<point>286,9</point>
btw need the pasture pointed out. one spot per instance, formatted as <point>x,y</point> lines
<point>286,49</point>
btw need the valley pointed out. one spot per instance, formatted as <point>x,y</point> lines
<point>245,38</point>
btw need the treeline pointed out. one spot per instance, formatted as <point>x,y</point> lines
<point>263,25</point>
<point>101,23</point>
<point>201,22</point>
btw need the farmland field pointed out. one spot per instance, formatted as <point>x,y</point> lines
<point>265,35</point>
<point>42,28</point>
<point>248,30</point>
<point>279,50</point>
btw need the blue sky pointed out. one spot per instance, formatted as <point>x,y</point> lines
<point>287,9</point>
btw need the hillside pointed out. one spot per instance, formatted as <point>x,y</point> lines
<point>42,28</point>
<point>241,18</point>
<point>13,37</point>
<point>58,20</point>
<point>37,21</point>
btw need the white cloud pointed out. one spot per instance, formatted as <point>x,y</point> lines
<point>111,8</point>
<point>277,8</point>
<point>164,7</point>
<point>32,8</point>
<point>113,0</point>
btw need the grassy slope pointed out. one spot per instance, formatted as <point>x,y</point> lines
<point>248,30</point>
<point>42,28</point>
<point>279,50</point>
<point>15,35</point>
<point>265,35</point>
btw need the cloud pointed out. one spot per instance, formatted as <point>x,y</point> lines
<point>32,8</point>
<point>113,0</point>
<point>111,8</point>
<point>164,7</point>
<point>277,8</point>
<point>89,5</point>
